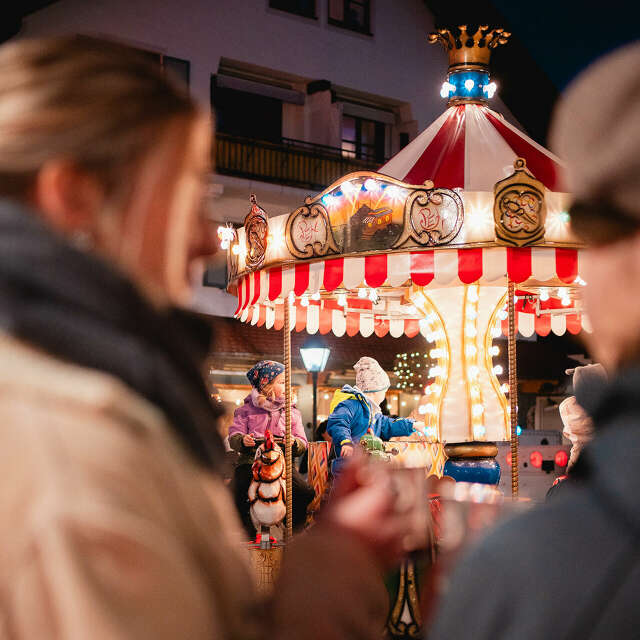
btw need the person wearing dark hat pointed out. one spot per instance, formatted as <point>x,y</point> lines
<point>571,568</point>
<point>264,409</point>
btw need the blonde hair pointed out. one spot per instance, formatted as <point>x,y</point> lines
<point>98,104</point>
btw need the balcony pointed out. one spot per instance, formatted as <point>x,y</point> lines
<point>291,162</point>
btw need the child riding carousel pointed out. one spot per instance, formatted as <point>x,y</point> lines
<point>264,410</point>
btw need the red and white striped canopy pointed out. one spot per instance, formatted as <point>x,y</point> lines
<point>471,147</point>
<point>261,293</point>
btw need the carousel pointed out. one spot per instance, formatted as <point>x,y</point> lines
<point>462,237</point>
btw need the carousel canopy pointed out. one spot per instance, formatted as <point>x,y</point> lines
<point>471,147</point>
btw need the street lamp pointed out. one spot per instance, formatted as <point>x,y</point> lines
<point>315,354</point>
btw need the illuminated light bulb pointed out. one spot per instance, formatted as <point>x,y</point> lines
<point>471,313</point>
<point>446,89</point>
<point>432,432</point>
<point>490,89</point>
<point>316,296</point>
<point>498,370</point>
<point>472,294</point>
<point>348,188</point>
<point>423,323</point>
<point>329,200</point>
<point>434,372</point>
<point>509,410</point>
<point>418,365</point>
<point>236,249</point>
<point>436,353</point>
<point>326,396</point>
<point>474,371</point>
<point>304,301</point>
<point>371,185</point>
<point>403,404</point>
<point>373,296</point>
<point>504,388</point>
<point>564,217</point>
<point>431,337</point>
<point>436,389</point>
<point>226,235</point>
<point>477,410</point>
<point>496,332</point>
<point>238,402</point>
<point>422,409</point>
<point>469,84</point>
<point>475,393</point>
<point>494,351</point>
<point>292,297</point>
<point>502,314</point>
<point>561,292</point>
<point>565,301</point>
<point>471,331</point>
<point>432,317</point>
<point>362,293</point>
<point>342,300</point>
<point>471,350</point>
<point>544,295</point>
<point>418,299</point>
<point>479,431</point>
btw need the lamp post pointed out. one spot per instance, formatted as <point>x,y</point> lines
<point>315,354</point>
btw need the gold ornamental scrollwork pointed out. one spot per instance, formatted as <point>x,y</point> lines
<point>308,231</point>
<point>519,207</point>
<point>432,217</point>
<point>256,228</point>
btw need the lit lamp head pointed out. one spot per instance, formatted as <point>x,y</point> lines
<point>468,79</point>
<point>315,354</point>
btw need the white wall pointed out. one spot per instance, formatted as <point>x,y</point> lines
<point>396,62</point>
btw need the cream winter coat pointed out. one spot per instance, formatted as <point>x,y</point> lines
<point>106,529</point>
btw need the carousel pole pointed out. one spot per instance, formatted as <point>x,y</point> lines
<point>287,396</point>
<point>513,387</point>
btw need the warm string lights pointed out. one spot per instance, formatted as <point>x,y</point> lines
<point>432,327</point>
<point>494,330</point>
<point>412,371</point>
<point>471,359</point>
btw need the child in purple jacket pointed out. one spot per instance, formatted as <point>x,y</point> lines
<point>264,408</point>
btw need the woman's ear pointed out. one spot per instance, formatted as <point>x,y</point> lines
<point>67,197</point>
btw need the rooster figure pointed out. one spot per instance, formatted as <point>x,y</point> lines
<point>268,489</point>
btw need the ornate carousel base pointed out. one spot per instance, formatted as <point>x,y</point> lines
<point>472,462</point>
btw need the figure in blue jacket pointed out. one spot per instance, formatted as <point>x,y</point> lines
<point>355,410</point>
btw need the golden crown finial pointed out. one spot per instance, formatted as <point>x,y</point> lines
<point>470,50</point>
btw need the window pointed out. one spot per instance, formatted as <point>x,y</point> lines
<point>351,14</point>
<point>247,115</point>
<point>305,8</point>
<point>363,139</point>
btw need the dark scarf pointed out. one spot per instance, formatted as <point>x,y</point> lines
<point>76,307</point>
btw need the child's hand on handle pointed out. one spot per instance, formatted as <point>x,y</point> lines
<point>346,451</point>
<point>248,440</point>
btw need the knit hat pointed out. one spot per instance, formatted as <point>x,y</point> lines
<point>264,372</point>
<point>370,376</point>
<point>596,130</point>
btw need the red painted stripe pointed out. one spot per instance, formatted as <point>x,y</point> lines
<point>541,165</point>
<point>326,318</point>
<point>411,328</point>
<point>247,291</point>
<point>375,270</point>
<point>275,283</point>
<point>542,325</point>
<point>381,327</point>
<point>301,281</point>
<point>469,265</point>
<point>443,160</point>
<point>262,318</point>
<point>333,273</point>
<point>301,317</point>
<point>256,287</point>
<point>353,324</point>
<point>567,264</point>
<point>574,324</point>
<point>519,263</point>
<point>239,292</point>
<point>422,267</point>
<point>278,321</point>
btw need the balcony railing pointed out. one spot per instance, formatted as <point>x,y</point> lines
<point>292,162</point>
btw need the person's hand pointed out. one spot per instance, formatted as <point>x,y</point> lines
<point>248,440</point>
<point>362,503</point>
<point>346,451</point>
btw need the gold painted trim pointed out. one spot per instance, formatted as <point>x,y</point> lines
<point>488,343</point>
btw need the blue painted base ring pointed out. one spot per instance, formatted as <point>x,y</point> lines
<point>483,470</point>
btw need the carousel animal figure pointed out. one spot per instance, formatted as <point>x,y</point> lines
<point>268,489</point>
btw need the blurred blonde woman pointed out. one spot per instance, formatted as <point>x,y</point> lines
<point>106,529</point>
